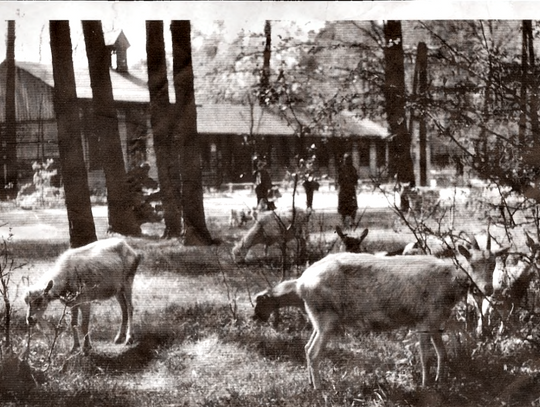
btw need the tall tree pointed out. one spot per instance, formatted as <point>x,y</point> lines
<point>420,85</point>
<point>535,125</point>
<point>79,211</point>
<point>400,160</point>
<point>523,105</point>
<point>264,95</point>
<point>164,143</point>
<point>120,202</point>
<point>186,116</point>
<point>9,143</point>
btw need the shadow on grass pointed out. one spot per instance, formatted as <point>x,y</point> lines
<point>120,359</point>
<point>282,348</point>
<point>81,398</point>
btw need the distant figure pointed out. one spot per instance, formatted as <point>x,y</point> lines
<point>263,183</point>
<point>347,180</point>
<point>306,172</point>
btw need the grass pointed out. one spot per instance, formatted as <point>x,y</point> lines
<point>198,346</point>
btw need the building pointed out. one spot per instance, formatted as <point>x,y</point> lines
<point>230,134</point>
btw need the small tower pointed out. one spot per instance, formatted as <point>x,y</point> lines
<point>117,44</point>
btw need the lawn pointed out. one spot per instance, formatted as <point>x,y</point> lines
<point>197,345</point>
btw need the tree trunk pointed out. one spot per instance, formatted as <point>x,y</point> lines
<point>9,143</point>
<point>483,139</point>
<point>400,160</point>
<point>120,202</point>
<point>186,130</point>
<point>524,82</point>
<point>164,144</point>
<point>421,90</point>
<point>535,127</point>
<point>264,96</point>
<point>79,210</point>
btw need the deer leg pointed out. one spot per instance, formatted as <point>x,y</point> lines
<point>319,338</point>
<point>126,328</point>
<point>121,336</point>
<point>74,330</point>
<point>85,311</point>
<point>438,344</point>
<point>424,349</point>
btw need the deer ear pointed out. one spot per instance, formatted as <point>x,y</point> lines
<point>48,288</point>
<point>464,252</point>
<point>364,234</point>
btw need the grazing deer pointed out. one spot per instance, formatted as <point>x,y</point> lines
<point>511,280</point>
<point>97,271</point>
<point>271,300</point>
<point>271,228</point>
<point>384,293</point>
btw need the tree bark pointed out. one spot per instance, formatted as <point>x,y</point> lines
<point>524,83</point>
<point>164,144</point>
<point>400,160</point>
<point>9,142</point>
<point>265,73</point>
<point>535,126</point>
<point>82,230</point>
<point>186,116</point>
<point>420,91</point>
<point>120,202</point>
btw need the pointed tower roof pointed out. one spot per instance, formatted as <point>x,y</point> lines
<point>116,39</point>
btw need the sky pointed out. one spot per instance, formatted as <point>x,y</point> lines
<point>32,39</point>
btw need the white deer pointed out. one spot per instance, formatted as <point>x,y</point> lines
<point>97,271</point>
<point>273,227</point>
<point>384,293</point>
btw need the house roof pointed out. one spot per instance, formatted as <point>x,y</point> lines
<point>116,38</point>
<point>32,104</point>
<point>126,87</point>
<point>352,124</point>
<point>240,119</point>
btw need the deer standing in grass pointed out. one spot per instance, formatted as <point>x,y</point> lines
<point>385,293</point>
<point>273,227</point>
<point>97,271</point>
<point>511,280</point>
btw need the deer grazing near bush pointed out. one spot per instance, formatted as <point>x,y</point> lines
<point>445,248</point>
<point>273,227</point>
<point>384,293</point>
<point>271,300</point>
<point>511,280</point>
<point>97,271</point>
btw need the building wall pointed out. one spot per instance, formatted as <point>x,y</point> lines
<point>36,141</point>
<point>228,158</point>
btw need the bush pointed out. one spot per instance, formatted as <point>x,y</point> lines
<point>40,193</point>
